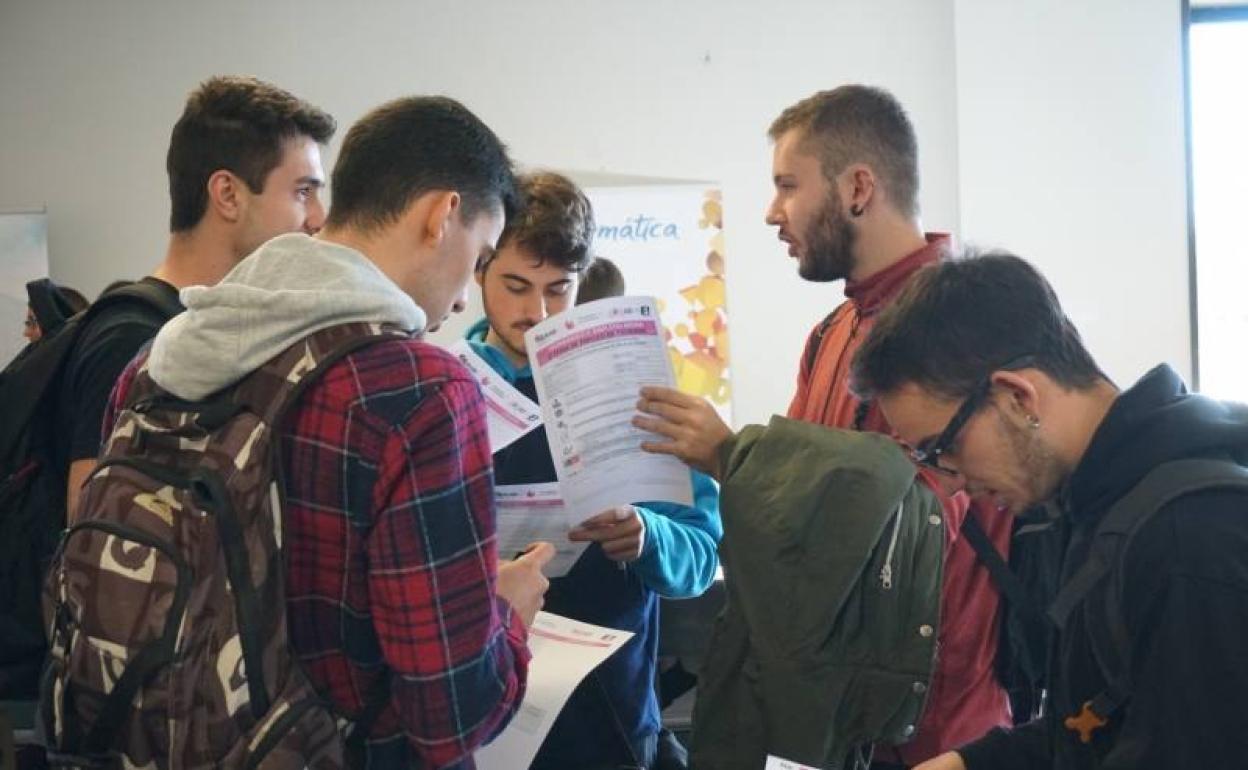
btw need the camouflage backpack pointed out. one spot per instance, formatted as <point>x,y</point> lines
<point>167,613</point>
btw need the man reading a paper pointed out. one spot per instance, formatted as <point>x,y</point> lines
<point>637,552</point>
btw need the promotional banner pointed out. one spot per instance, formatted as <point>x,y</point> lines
<point>668,242</point>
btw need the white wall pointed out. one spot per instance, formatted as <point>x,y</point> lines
<point>89,91</point>
<point>1070,118</point>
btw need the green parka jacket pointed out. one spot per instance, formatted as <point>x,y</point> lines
<point>832,553</point>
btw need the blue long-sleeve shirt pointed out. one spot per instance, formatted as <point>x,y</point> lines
<point>679,559</point>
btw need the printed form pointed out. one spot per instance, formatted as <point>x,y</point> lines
<point>531,512</point>
<point>509,414</point>
<point>589,364</point>
<point>564,652</point>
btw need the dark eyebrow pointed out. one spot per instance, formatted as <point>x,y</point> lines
<point>514,277</point>
<point>314,181</point>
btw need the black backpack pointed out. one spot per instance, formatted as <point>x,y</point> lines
<point>1096,586</point>
<point>32,495</point>
<point>1038,603</point>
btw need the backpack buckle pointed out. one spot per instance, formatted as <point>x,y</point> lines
<point>1086,722</point>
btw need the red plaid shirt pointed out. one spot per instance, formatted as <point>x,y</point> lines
<point>391,555</point>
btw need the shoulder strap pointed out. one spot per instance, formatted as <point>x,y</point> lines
<point>273,389</point>
<point>138,292</point>
<point>1006,581</point>
<point>362,726</point>
<point>816,339</point>
<point>1161,486</point>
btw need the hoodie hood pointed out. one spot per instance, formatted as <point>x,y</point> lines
<point>289,288</point>
<point>1155,421</point>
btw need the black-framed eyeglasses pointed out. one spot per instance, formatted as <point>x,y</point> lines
<point>928,453</point>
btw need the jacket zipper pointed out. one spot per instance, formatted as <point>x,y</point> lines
<point>886,572</point>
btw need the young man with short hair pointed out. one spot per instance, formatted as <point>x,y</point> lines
<point>980,372</point>
<point>392,575</point>
<point>846,176</point>
<point>244,165</point>
<point>601,279</point>
<point>637,552</point>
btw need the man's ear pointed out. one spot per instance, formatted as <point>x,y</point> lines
<point>858,189</point>
<point>441,207</point>
<point>226,195</point>
<point>1019,396</point>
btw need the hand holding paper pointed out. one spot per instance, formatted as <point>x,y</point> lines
<point>693,427</point>
<point>619,530</point>
<point>521,582</point>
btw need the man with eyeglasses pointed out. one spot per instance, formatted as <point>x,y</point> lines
<point>845,170</point>
<point>1149,668</point>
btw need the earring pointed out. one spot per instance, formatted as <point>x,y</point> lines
<point>855,210</point>
<point>1033,421</point>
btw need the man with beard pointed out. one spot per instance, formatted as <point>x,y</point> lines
<point>1148,665</point>
<point>845,169</point>
<point>637,552</point>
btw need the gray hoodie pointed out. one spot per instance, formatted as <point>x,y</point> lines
<point>288,288</point>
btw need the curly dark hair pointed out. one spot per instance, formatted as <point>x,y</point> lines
<point>555,222</point>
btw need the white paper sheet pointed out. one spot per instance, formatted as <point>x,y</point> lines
<point>509,413</point>
<point>589,363</point>
<point>531,512</point>
<point>564,652</point>
<point>776,763</point>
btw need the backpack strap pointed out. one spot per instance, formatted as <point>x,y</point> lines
<point>272,391</point>
<point>1006,581</point>
<point>363,723</point>
<point>141,293</point>
<point>1107,627</point>
<point>816,339</point>
<point>1030,615</point>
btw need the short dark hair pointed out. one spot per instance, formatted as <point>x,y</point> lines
<point>961,319</point>
<point>859,124</point>
<point>412,146</point>
<point>236,124</point>
<point>555,221</point>
<point>601,279</point>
